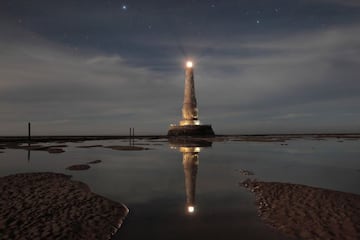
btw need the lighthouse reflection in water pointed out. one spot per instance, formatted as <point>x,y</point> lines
<point>190,151</point>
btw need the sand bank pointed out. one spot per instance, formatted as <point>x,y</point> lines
<point>78,167</point>
<point>127,148</point>
<point>306,212</point>
<point>95,162</point>
<point>245,172</point>
<point>91,146</point>
<point>51,206</point>
<point>35,147</point>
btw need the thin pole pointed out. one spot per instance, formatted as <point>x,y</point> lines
<point>29,141</point>
<point>133,134</point>
<point>29,131</point>
<point>130,136</point>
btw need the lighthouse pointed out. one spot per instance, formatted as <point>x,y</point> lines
<point>190,123</point>
<point>189,109</point>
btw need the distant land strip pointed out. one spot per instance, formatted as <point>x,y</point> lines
<point>22,139</point>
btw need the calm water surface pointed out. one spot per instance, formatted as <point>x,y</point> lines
<point>177,192</point>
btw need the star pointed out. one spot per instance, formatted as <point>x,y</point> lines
<point>257,21</point>
<point>124,7</point>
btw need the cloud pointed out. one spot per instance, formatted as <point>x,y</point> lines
<point>307,81</point>
<point>313,61</point>
<point>353,3</point>
<point>45,82</point>
<point>294,115</point>
<point>295,73</point>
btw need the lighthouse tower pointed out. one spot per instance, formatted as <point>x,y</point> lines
<point>190,124</point>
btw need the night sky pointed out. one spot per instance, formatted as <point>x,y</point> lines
<point>99,67</point>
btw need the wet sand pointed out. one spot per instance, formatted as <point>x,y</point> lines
<point>127,148</point>
<point>35,147</point>
<point>23,142</point>
<point>64,139</point>
<point>305,212</point>
<point>51,206</point>
<point>90,146</point>
<point>163,138</point>
<point>78,167</point>
<point>95,162</point>
<point>245,172</point>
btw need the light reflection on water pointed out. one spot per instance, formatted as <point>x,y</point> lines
<point>172,196</point>
<point>190,152</point>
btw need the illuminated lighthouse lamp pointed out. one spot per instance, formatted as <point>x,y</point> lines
<point>189,64</point>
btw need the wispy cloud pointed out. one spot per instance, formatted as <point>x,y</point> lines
<point>294,115</point>
<point>341,2</point>
<point>247,85</point>
<point>43,81</point>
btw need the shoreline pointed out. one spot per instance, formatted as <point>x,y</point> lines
<point>250,137</point>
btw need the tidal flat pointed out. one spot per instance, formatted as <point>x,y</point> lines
<point>194,188</point>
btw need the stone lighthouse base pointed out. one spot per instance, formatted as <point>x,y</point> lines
<point>191,130</point>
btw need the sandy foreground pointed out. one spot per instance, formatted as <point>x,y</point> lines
<point>305,212</point>
<point>51,206</point>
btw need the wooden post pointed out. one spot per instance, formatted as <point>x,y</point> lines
<point>29,131</point>
<point>133,135</point>
<point>130,136</point>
